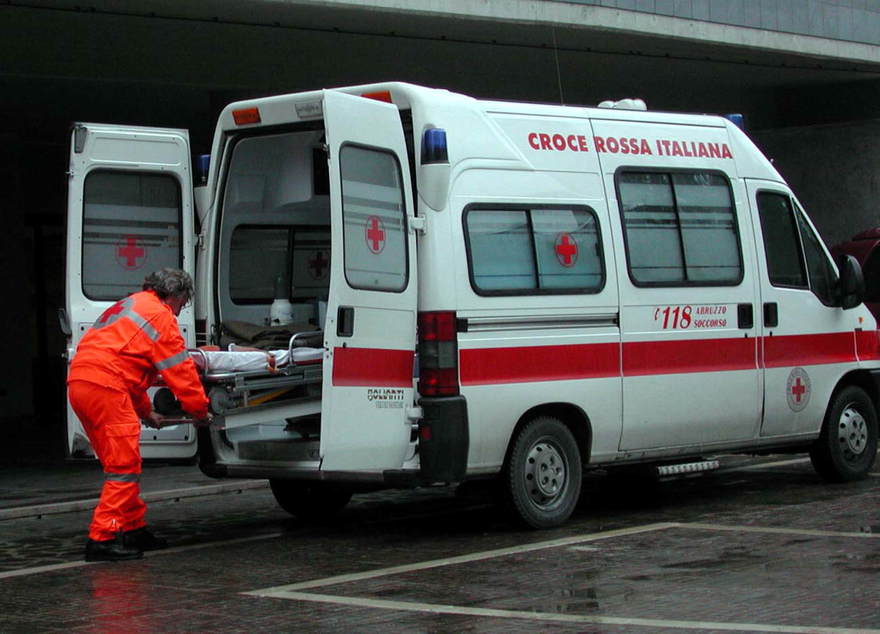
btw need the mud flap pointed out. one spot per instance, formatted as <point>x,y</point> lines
<point>443,439</point>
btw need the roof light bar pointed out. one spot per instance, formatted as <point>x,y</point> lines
<point>736,119</point>
<point>434,148</point>
<point>382,95</point>
<point>246,116</point>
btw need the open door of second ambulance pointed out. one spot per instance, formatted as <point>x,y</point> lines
<point>371,314</point>
<point>129,213</point>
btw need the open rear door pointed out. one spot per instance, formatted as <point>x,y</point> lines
<point>129,213</point>
<point>371,313</point>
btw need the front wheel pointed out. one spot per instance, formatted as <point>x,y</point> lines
<point>847,445</point>
<point>310,501</point>
<point>543,473</point>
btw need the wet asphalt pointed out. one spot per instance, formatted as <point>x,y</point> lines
<point>761,545</point>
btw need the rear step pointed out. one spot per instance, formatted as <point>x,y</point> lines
<point>687,468</point>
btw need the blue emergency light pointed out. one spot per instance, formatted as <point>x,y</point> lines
<point>203,165</point>
<point>736,119</point>
<point>434,146</point>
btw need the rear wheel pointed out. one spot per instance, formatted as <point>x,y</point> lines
<point>543,474</point>
<point>310,501</point>
<point>847,446</point>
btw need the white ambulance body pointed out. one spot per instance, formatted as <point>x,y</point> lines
<point>513,290</point>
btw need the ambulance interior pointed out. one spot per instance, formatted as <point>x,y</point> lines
<point>274,223</point>
<point>273,239</point>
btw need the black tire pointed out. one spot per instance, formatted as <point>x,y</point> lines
<point>543,473</point>
<point>310,501</point>
<point>847,446</point>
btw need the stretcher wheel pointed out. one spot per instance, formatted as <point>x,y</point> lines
<point>221,401</point>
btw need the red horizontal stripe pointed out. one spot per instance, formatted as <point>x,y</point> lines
<point>372,367</point>
<point>794,350</point>
<point>485,366</point>
<point>539,363</point>
<point>689,355</point>
<point>868,345</point>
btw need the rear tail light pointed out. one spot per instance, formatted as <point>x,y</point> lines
<point>438,354</point>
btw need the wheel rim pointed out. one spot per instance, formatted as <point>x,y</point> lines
<point>546,473</point>
<point>852,432</point>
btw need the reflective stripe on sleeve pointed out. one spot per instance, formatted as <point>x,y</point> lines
<point>172,361</point>
<point>122,477</point>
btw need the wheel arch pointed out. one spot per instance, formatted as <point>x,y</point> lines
<point>572,416</point>
<point>867,380</point>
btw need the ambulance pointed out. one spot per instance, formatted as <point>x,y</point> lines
<point>479,290</point>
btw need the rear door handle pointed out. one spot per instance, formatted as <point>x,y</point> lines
<point>345,321</point>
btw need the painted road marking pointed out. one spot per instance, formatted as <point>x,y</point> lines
<point>457,610</point>
<point>461,559</point>
<point>295,592</point>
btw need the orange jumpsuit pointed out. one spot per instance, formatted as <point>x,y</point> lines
<point>115,362</point>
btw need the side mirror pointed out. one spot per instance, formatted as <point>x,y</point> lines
<point>851,285</point>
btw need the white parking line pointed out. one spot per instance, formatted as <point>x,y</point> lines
<point>552,617</point>
<point>462,559</point>
<point>783,531</point>
<point>295,592</point>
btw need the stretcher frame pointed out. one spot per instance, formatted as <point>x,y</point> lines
<point>270,385</point>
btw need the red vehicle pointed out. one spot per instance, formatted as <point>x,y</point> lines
<point>865,247</point>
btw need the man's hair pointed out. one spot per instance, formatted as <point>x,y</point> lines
<point>170,283</point>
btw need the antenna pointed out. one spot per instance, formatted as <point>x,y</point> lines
<point>558,74</point>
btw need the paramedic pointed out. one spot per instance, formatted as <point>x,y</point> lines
<point>115,362</point>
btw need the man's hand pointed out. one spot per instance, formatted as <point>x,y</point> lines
<point>154,420</point>
<point>204,422</point>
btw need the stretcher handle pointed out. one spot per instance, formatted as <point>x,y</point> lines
<point>202,354</point>
<point>168,421</point>
<point>290,345</point>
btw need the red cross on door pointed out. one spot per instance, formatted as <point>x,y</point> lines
<point>129,255</point>
<point>318,264</point>
<point>566,249</point>
<point>375,234</point>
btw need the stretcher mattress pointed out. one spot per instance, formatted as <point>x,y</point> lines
<point>222,361</point>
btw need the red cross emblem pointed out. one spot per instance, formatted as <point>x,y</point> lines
<point>375,234</point>
<point>106,316</point>
<point>798,389</point>
<point>566,249</point>
<point>318,265</point>
<point>113,313</point>
<point>130,255</point>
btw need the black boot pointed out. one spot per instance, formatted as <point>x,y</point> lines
<point>143,539</point>
<point>111,550</point>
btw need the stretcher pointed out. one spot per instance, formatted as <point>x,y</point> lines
<point>246,378</point>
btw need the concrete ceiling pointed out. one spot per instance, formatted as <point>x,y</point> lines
<point>152,61</point>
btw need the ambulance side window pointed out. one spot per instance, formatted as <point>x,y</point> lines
<point>374,219</point>
<point>131,226</point>
<point>518,249</point>
<point>679,228</point>
<point>785,264</point>
<point>822,275</point>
